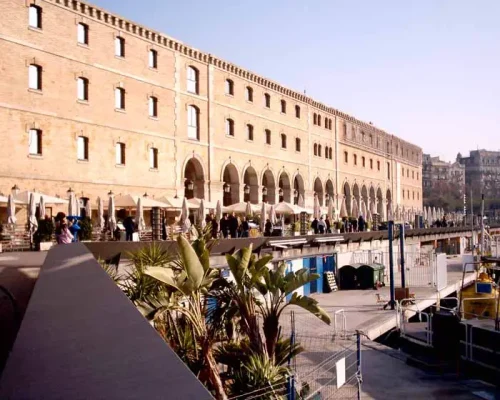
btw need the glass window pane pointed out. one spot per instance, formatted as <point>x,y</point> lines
<point>82,34</point>
<point>118,155</point>
<point>81,89</point>
<point>118,47</point>
<point>81,148</point>
<point>33,16</point>
<point>33,77</point>
<point>33,141</point>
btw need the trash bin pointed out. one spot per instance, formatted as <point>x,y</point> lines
<point>369,274</point>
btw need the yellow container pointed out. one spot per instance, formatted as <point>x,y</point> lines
<point>479,299</point>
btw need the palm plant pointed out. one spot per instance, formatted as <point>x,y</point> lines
<point>253,275</point>
<point>190,278</point>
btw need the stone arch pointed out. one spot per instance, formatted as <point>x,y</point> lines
<point>318,190</point>
<point>268,187</point>
<point>373,199</point>
<point>356,194</point>
<point>380,203</point>
<point>193,176</point>
<point>230,177</point>
<point>284,185</point>
<point>299,188</point>
<point>364,195</point>
<point>329,190</point>
<point>250,185</point>
<point>347,193</point>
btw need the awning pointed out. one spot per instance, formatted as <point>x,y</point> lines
<point>24,197</point>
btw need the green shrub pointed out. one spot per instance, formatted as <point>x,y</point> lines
<point>45,231</point>
<point>85,229</point>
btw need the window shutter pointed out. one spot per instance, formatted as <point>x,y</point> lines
<point>81,89</point>
<point>81,34</point>
<point>33,16</point>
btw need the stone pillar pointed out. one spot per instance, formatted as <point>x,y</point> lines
<point>217,192</point>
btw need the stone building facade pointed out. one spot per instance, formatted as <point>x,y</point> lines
<point>482,172</point>
<point>435,170</point>
<point>95,102</point>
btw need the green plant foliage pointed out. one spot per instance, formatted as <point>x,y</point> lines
<point>85,232</point>
<point>44,231</point>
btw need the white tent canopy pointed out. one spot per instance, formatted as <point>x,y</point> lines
<point>130,201</point>
<point>241,208</point>
<point>24,197</point>
<point>288,208</point>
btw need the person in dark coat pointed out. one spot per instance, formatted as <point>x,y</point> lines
<point>268,228</point>
<point>245,228</point>
<point>224,226</point>
<point>129,226</point>
<point>361,223</point>
<point>314,226</point>
<point>328,225</point>
<point>215,226</point>
<point>233,225</point>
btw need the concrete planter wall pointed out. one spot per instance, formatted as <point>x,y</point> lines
<point>46,246</point>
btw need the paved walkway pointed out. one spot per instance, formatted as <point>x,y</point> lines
<point>387,376</point>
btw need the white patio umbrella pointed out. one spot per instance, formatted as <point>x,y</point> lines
<point>369,216</point>
<point>141,224</point>
<point>355,208</point>
<point>390,212</point>
<point>425,214</point>
<point>300,201</point>
<point>397,213</point>
<point>202,214</point>
<point>11,210</point>
<point>242,208</point>
<point>363,209</point>
<point>343,209</point>
<point>100,213</point>
<point>184,221</point>
<point>24,197</point>
<point>41,207</point>
<point>263,217</point>
<point>218,211</point>
<point>434,214</point>
<point>317,208</point>
<point>248,209</point>
<point>32,214</point>
<point>331,210</point>
<point>88,209</point>
<point>272,215</point>
<point>111,214</point>
<point>288,208</point>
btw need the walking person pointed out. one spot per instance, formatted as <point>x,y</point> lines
<point>321,226</point>
<point>224,226</point>
<point>65,236</point>
<point>361,223</point>
<point>268,228</point>
<point>314,225</point>
<point>233,225</point>
<point>215,226</point>
<point>129,226</point>
<point>328,225</point>
<point>245,228</point>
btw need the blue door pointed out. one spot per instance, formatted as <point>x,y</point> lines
<point>313,269</point>
<point>306,262</point>
<point>319,271</point>
<point>288,269</point>
<point>329,264</point>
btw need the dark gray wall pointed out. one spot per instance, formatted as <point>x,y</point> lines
<point>81,338</point>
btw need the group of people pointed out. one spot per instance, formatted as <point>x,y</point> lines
<point>229,226</point>
<point>321,226</point>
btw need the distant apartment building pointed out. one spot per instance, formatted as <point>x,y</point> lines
<point>482,172</point>
<point>435,171</point>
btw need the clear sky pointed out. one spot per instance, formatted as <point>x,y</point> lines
<point>425,70</point>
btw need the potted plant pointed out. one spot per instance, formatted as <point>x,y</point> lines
<point>85,232</point>
<point>43,235</point>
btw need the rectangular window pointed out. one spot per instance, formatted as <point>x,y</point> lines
<point>403,194</point>
<point>412,174</point>
<point>35,16</point>
<point>35,144</point>
<point>120,99</point>
<point>35,77</point>
<point>83,34</point>
<point>371,163</point>
<point>193,131</point>
<point>268,136</point>
<point>153,158</point>
<point>297,144</point>
<point>153,59</point>
<point>363,162</point>
<point>378,165</point>
<point>388,171</point>
<point>229,127</point>
<point>153,107</point>
<point>250,132</point>
<point>346,157</point>
<point>120,153</point>
<point>83,89</point>
<point>355,159</point>
<point>119,47</point>
<point>83,148</point>
<point>192,80</point>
